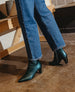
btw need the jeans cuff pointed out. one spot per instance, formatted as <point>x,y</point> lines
<point>59,47</point>
<point>35,58</point>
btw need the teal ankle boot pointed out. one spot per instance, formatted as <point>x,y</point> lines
<point>59,55</point>
<point>33,67</point>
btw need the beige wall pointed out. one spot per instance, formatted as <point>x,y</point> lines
<point>59,3</point>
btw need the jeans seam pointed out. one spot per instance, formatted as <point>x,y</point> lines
<point>24,26</point>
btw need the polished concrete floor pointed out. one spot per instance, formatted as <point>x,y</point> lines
<point>52,79</point>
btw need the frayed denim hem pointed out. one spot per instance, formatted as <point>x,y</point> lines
<point>59,47</point>
<point>35,58</point>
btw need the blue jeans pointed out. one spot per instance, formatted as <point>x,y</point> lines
<point>31,12</point>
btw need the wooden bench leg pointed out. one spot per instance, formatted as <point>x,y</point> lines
<point>11,49</point>
<point>17,36</point>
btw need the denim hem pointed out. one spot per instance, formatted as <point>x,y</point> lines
<point>35,58</point>
<point>59,47</point>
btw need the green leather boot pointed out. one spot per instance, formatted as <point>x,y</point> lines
<point>59,55</point>
<point>33,67</point>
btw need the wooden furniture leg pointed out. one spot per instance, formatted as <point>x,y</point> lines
<point>17,36</point>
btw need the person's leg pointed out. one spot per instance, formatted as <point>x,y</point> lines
<point>49,27</point>
<point>25,11</point>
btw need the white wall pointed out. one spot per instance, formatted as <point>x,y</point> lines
<point>47,2</point>
<point>2,1</point>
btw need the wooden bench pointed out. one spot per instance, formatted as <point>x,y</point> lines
<point>10,24</point>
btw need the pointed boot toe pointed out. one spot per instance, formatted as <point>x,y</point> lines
<point>33,67</point>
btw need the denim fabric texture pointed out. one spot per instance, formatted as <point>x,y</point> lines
<point>33,12</point>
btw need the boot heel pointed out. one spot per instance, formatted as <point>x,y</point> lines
<point>40,70</point>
